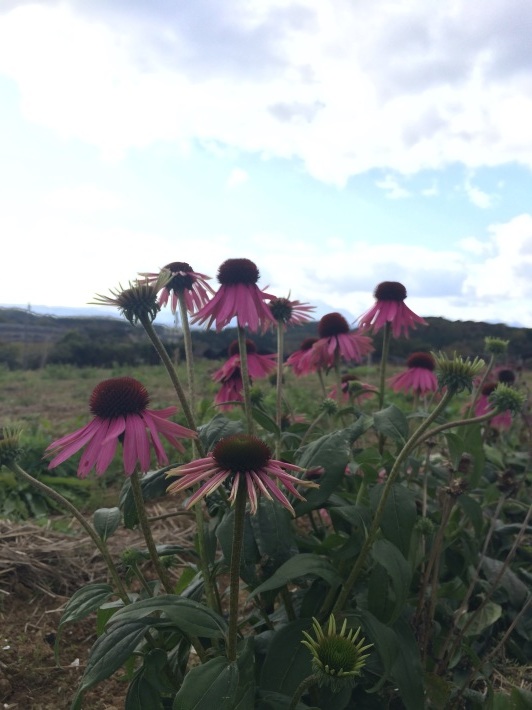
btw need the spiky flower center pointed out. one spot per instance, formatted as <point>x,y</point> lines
<point>234,348</point>
<point>457,374</point>
<point>10,448</point>
<point>337,655</point>
<point>118,397</point>
<point>496,346</point>
<point>241,453</point>
<point>238,271</point>
<point>390,291</point>
<point>423,360</point>
<point>506,376</point>
<point>281,309</point>
<point>505,398</point>
<point>332,324</point>
<point>181,276</point>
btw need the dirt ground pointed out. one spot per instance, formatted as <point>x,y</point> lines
<point>39,570</point>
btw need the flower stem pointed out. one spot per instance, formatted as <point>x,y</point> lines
<point>305,684</point>
<point>379,512</point>
<point>478,390</point>
<point>279,384</point>
<point>384,361</point>
<point>189,355</point>
<point>64,503</point>
<point>146,531</point>
<point>165,359</point>
<point>234,584</point>
<point>246,385</point>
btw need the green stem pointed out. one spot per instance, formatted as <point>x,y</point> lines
<point>64,503</point>
<point>189,355</point>
<point>234,583</point>
<point>384,361</point>
<point>146,531</point>
<point>279,384</point>
<point>246,384</point>
<point>452,425</point>
<point>167,362</point>
<point>338,378</point>
<point>305,684</point>
<point>322,382</point>
<point>478,390</point>
<point>142,579</point>
<point>372,533</point>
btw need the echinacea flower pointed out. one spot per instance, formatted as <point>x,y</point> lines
<point>177,278</point>
<point>353,388</point>
<point>390,308</point>
<point>237,459</point>
<point>301,360</point>
<point>337,656</point>
<point>457,373</point>
<point>287,312</point>
<point>238,297</point>
<point>231,391</point>
<point>230,375</point>
<point>120,409</point>
<point>10,446</point>
<point>136,303</point>
<point>419,377</point>
<point>506,376</point>
<point>336,341</point>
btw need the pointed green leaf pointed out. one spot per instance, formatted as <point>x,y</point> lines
<point>106,521</point>
<point>211,685</point>
<point>407,669</point>
<point>399,573</point>
<point>218,428</point>
<point>265,421</point>
<point>392,423</point>
<point>300,566</point>
<point>287,661</point>
<point>400,515</point>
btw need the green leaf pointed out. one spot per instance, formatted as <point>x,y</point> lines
<point>407,669</point>
<point>265,421</point>
<point>245,698</point>
<point>480,618</point>
<point>250,554</point>
<point>399,573</point>
<point>80,605</point>
<point>141,695</point>
<point>153,485</point>
<point>270,700</point>
<point>272,529</point>
<point>287,661</point>
<point>516,589</point>
<point>211,685</point>
<point>383,639</point>
<point>330,452</point>
<point>300,566</point>
<point>473,510</point>
<point>392,423</point>
<point>189,616</point>
<point>399,517</point>
<point>112,650</point>
<point>218,428</point>
<point>106,521</point>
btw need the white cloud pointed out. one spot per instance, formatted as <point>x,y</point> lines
<point>81,198</point>
<point>237,177</point>
<point>343,87</point>
<point>392,188</point>
<point>478,197</point>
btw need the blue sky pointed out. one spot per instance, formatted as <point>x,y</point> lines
<point>336,144</point>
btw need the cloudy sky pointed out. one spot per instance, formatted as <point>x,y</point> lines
<point>337,144</point>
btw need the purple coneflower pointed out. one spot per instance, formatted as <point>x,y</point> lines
<point>301,360</point>
<point>506,376</point>
<point>179,277</point>
<point>238,296</point>
<point>390,308</point>
<point>419,377</point>
<point>120,408</point>
<point>500,421</point>
<point>230,376</point>
<point>336,341</point>
<point>289,312</point>
<point>236,459</point>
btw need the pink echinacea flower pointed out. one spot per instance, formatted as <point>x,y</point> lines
<point>120,409</point>
<point>301,360</point>
<point>336,341</point>
<point>230,376</point>
<point>287,312</point>
<point>419,377</point>
<point>238,296</point>
<point>390,308</point>
<point>240,459</point>
<point>502,421</point>
<point>179,277</point>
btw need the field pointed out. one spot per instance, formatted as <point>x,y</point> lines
<point>45,556</point>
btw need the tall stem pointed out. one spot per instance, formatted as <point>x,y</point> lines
<point>305,684</point>
<point>165,359</point>
<point>379,512</point>
<point>67,505</point>
<point>189,356</point>
<point>478,390</point>
<point>246,384</point>
<point>236,553</point>
<point>146,531</point>
<point>279,383</point>
<point>384,361</point>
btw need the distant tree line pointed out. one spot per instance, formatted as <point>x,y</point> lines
<point>30,341</point>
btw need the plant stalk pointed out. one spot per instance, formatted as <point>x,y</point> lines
<point>234,583</point>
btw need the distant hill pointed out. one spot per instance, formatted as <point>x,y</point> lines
<point>31,340</point>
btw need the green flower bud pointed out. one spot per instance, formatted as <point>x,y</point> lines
<point>137,302</point>
<point>496,346</point>
<point>337,657</point>
<point>10,448</point>
<point>329,406</point>
<point>131,557</point>
<point>457,374</point>
<point>505,398</point>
